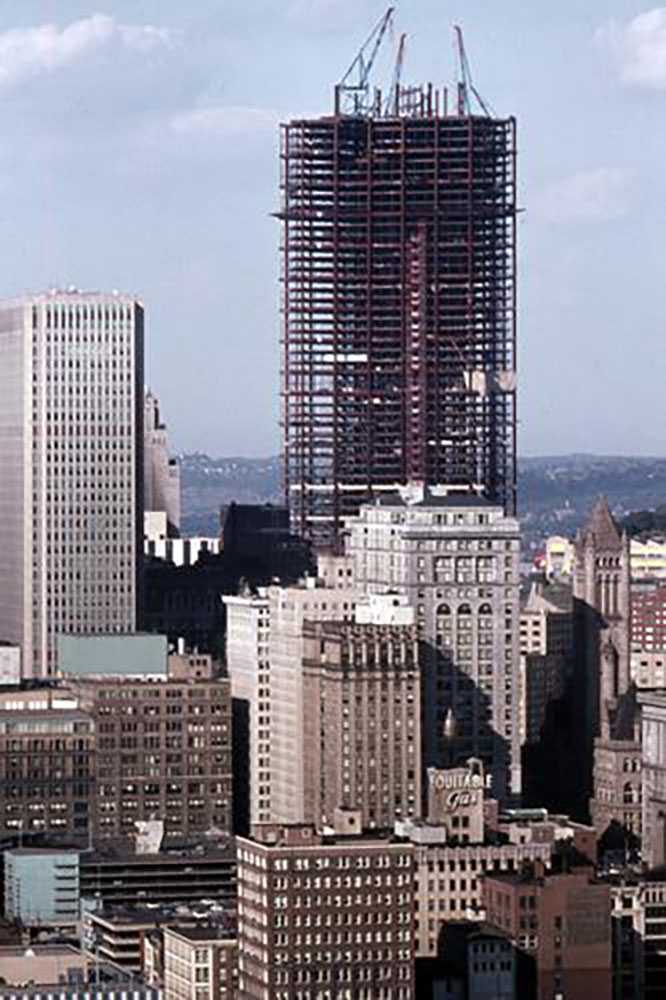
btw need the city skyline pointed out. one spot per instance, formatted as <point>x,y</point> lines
<point>141,110</point>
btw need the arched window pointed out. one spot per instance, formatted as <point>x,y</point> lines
<point>464,609</point>
<point>485,609</point>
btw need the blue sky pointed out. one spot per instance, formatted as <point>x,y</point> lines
<point>139,152</point>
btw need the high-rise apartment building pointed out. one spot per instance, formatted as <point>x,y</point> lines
<point>161,474</point>
<point>456,557</point>
<point>399,301</point>
<point>71,454</point>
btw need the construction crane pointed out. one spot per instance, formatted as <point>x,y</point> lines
<point>352,94</point>
<point>466,84</point>
<point>392,105</point>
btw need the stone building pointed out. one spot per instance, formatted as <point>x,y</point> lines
<point>606,724</point>
<point>455,556</point>
<point>653,742</point>
<point>361,722</point>
<point>454,852</point>
<point>200,963</point>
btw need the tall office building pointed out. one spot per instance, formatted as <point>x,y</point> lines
<point>399,300</point>
<point>455,557</point>
<point>71,455</point>
<point>161,474</point>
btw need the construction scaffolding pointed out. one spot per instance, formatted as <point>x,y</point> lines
<point>399,304</point>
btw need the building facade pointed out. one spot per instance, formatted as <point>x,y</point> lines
<point>319,915</point>
<point>163,750</point>
<point>47,767</point>
<point>361,722</point>
<point>653,766</point>
<point>200,963</point>
<point>248,663</point>
<point>42,887</point>
<point>606,719</point>
<point>563,922</point>
<point>289,608</point>
<point>399,306</point>
<point>161,475</point>
<point>71,453</point>
<point>456,558</point>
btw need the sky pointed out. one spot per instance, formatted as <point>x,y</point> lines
<point>139,152</point>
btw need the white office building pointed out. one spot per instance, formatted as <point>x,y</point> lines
<point>71,461</point>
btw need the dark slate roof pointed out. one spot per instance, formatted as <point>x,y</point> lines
<point>602,529</point>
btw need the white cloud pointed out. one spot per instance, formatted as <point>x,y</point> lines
<point>28,52</point>
<point>598,195</point>
<point>638,48</point>
<point>233,120</point>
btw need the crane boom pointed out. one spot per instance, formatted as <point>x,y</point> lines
<point>353,89</point>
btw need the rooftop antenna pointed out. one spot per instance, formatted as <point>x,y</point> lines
<point>352,94</point>
<point>392,106</point>
<point>466,84</point>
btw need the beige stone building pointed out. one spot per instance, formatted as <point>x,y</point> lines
<point>361,722</point>
<point>248,664</point>
<point>200,963</point>
<point>455,556</point>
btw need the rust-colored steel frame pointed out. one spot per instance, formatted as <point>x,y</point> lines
<point>399,304</point>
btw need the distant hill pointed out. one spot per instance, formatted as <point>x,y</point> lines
<point>555,493</point>
<point>209,483</point>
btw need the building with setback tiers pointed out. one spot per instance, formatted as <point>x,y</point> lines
<point>456,557</point>
<point>399,299</point>
<point>71,454</point>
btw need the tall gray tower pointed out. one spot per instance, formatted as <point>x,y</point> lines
<point>71,468</point>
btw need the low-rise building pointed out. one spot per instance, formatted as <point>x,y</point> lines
<point>562,920</point>
<point>62,972</point>
<point>47,766</point>
<point>182,875</point>
<point>648,558</point>
<point>200,963</point>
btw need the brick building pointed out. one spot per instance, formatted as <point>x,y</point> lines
<point>163,749</point>
<point>562,921</point>
<point>324,916</point>
<point>47,766</point>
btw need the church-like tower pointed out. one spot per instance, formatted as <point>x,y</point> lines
<point>605,710</point>
<point>602,605</point>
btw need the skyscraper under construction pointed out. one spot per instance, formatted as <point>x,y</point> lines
<point>399,296</point>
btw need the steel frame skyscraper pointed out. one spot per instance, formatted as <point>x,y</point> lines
<point>399,302</point>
